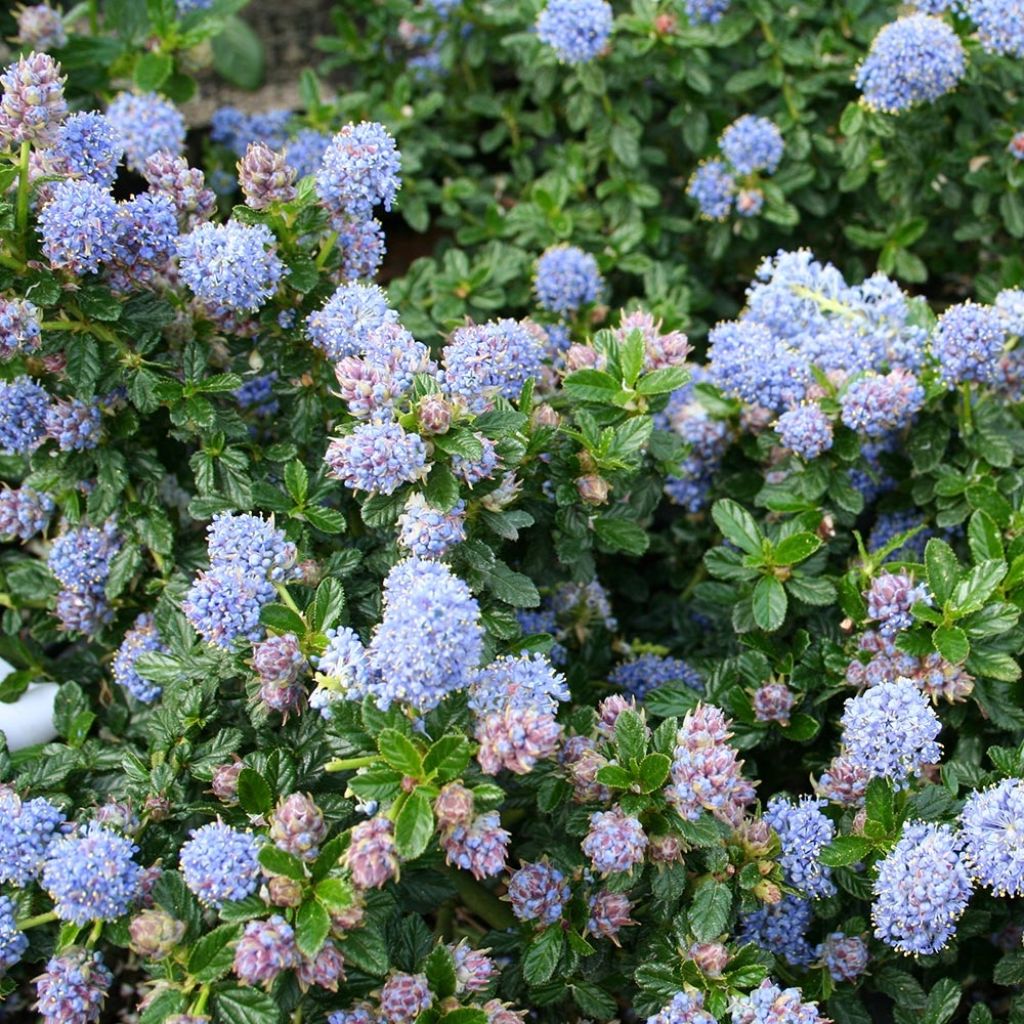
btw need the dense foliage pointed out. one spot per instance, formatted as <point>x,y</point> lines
<point>472,652</point>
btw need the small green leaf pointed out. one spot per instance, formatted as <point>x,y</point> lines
<point>281,618</point>
<point>400,752</point>
<point>769,604</point>
<point>709,911</point>
<point>942,567</point>
<point>630,736</point>
<point>796,548</point>
<point>439,968</point>
<point>335,894</point>
<point>152,70</point>
<point>543,955</point>
<point>654,769</point>
<point>845,850</point>
<point>414,826</point>
<point>311,928</point>
<point>952,643</point>
<point>280,862</point>
<point>212,955</point>
<point>296,480</point>
<point>254,796</point>
<point>737,525</point>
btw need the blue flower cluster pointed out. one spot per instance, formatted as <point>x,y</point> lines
<point>577,30</point>
<point>805,430</point>
<point>890,730</point>
<point>75,425</point>
<point>235,128</point>
<point>27,828</point>
<point>781,929</point>
<point>487,360</point>
<point>752,144</point>
<point>538,892</point>
<point>1000,26</point>
<point>427,532</point>
<point>685,1008</point>
<point>91,875</point>
<point>24,512</point>
<point>73,988</point>
<point>526,680</point>
<point>921,889</point>
<point>146,124</point>
<point>232,266</point>
<point>23,407</point>
<point>80,558</point>
<point>968,342</point>
<point>647,672</point>
<point>19,327</point>
<point>90,146</point>
<point>804,832</point>
<point>890,599</point>
<point>769,1004</point>
<point>344,324</point>
<point>914,59</point>
<point>567,278</point>
<point>992,843</point>
<point>79,227</point>
<point>377,458</point>
<point>142,638</point>
<point>360,169</point>
<point>220,864</point>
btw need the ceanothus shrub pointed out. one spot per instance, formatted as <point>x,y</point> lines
<point>521,670</point>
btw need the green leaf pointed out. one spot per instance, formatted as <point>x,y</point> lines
<point>631,357</point>
<point>952,643</point>
<point>328,604</point>
<point>400,752</point>
<point>737,525</point>
<point>796,548</point>
<point>464,1015</point>
<point>614,776</point>
<point>442,489</point>
<point>879,805</point>
<point>312,926</point>
<point>414,826</point>
<point>984,538</point>
<point>709,911</point>
<point>543,955</point>
<point>447,758</point>
<point>254,795</point>
<point>661,382</point>
<point>335,894</point>
<point>802,727</point>
<point>977,586</point>
<point>943,1000</point>
<point>594,386</point>
<point>630,735</point>
<point>152,70</point>
<point>845,850</point>
<point>212,955</point>
<point>245,1006</point>
<point>439,968</point>
<point>943,569</point>
<point>365,948</point>
<point>654,769</point>
<point>296,481</point>
<point>327,520</point>
<point>281,618</point>
<point>769,604</point>
<point>280,862</point>
<point>238,54</point>
<point>620,534</point>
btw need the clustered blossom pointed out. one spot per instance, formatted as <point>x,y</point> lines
<point>279,663</point>
<point>487,360</point>
<point>706,773</point>
<point>844,782</point>
<point>147,124</point>
<point>914,59</point>
<point>265,177</point>
<point>13,942</point>
<point>372,859</point>
<point>32,105</point>
<point>479,846</point>
<point>773,702</point>
<point>27,828</point>
<point>235,129</point>
<point>377,458</point>
<point>609,914</point>
<point>344,325</point>
<point>90,147</point>
<point>40,27</point>
<point>752,144</point>
<point>805,430</point>
<point>516,738</point>
<point>426,531</point>
<point>474,969</point>
<point>24,512</point>
<point>921,890</point>
<point>713,188</point>
<point>78,227</point>
<point>343,670</point>
<point>999,25</point>
<point>297,826</point>
<point>685,1008</point>
<point>232,266</point>
<point>538,892</point>
<point>993,847</point>
<point>265,949</point>
<point>890,599</point>
<point>769,1004</point>
<point>523,681</point>
<point>220,864</point>
<point>404,997</point>
<point>73,988</point>
<point>146,235</point>
<point>91,875</point>
<point>19,327</point>
<point>171,176</point>
<point>359,170</point>
<point>647,672</point>
<point>844,956</point>
<point>781,929</point>
<point>577,30</point>
<point>967,343</point>
<point>566,279</point>
<point>803,832</point>
<point>142,638</point>
<point>80,558</point>
<point>75,425</point>
<point>890,731</point>
<point>616,841</point>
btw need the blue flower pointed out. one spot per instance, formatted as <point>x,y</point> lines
<point>874,405</point>
<point>967,343</point>
<point>13,941</point>
<point>713,187</point>
<point>377,458</point>
<point>33,104</point>
<point>250,543</point>
<point>91,875</point>
<point>429,641</point>
<point>79,227</point>
<point>486,360</point>
<point>649,671</point>
<point>804,832</point>
<point>305,151</point>
<point>224,605</point>
<point>74,425</point>
<point>220,864</point>
<point>231,266</point>
<point>889,731</point>
<point>142,638</point>
<point>526,680</point>
<point>566,279</point>
<point>993,845</point>
<point>426,531</point>
<point>805,430</point>
<point>616,841</point>
<point>769,1004</point>
<point>1000,25</point>
<point>147,124</point>
<point>538,892</point>
<point>752,144</point>
<point>90,147</point>
<point>343,326</point>
<point>24,512</point>
<point>80,557</point>
<point>577,30</point>
<point>921,890</point>
<point>27,828</point>
<point>19,327</point>
<point>781,929</point>
<point>706,12</point>
<point>685,1008</point>
<point>73,988</point>
<point>915,59</point>
<point>360,170</point>
<point>23,406</point>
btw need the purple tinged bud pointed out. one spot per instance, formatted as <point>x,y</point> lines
<point>609,914</point>
<point>224,783</point>
<point>372,859</point>
<point>324,970</point>
<point>435,414</point>
<point>404,997</point>
<point>538,892</point>
<point>710,957</point>
<point>773,702</point>
<point>480,847</point>
<point>265,949</point>
<point>154,934</point>
<point>453,806</point>
<point>297,826</point>
<point>265,177</point>
<point>33,104</point>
